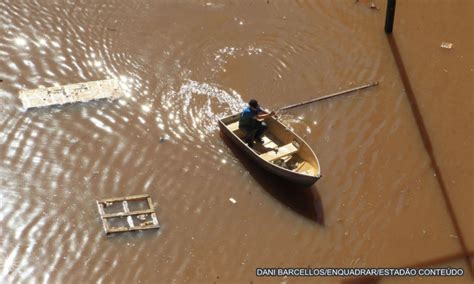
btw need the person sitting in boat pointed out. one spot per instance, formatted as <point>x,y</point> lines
<point>252,122</point>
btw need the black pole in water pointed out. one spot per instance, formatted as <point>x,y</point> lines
<point>390,16</point>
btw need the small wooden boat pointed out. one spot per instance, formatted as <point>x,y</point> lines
<point>283,152</point>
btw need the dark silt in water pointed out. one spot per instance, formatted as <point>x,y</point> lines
<point>184,64</point>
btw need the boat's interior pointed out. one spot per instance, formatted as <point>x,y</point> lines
<point>280,147</point>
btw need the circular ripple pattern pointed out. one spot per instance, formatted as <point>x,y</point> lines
<point>195,108</point>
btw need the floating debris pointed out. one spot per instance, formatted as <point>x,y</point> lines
<point>447,45</point>
<point>148,215</point>
<point>82,92</point>
<point>145,224</point>
<point>373,6</point>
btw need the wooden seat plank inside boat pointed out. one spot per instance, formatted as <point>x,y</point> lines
<point>268,142</point>
<point>234,127</point>
<point>283,151</point>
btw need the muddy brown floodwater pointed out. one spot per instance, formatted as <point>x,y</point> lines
<point>183,64</point>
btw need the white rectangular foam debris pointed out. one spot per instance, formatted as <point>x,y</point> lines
<point>81,92</point>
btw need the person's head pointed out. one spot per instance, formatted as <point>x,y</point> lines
<point>253,104</point>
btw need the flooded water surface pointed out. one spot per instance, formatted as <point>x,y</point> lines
<point>184,64</point>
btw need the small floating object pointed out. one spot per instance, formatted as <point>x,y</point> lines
<point>82,92</point>
<point>372,6</point>
<point>145,224</point>
<point>232,200</point>
<point>134,220</point>
<point>447,45</point>
<point>141,217</point>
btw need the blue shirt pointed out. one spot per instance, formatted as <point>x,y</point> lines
<point>248,117</point>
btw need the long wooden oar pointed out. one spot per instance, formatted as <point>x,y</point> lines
<point>330,96</point>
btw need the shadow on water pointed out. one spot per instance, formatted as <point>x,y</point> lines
<point>134,235</point>
<point>425,137</point>
<point>304,201</point>
<point>71,106</point>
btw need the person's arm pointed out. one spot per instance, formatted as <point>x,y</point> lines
<point>262,115</point>
<point>262,111</point>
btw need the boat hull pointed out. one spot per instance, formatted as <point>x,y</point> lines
<point>293,177</point>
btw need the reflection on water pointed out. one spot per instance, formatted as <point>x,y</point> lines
<point>196,107</point>
<point>183,65</point>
